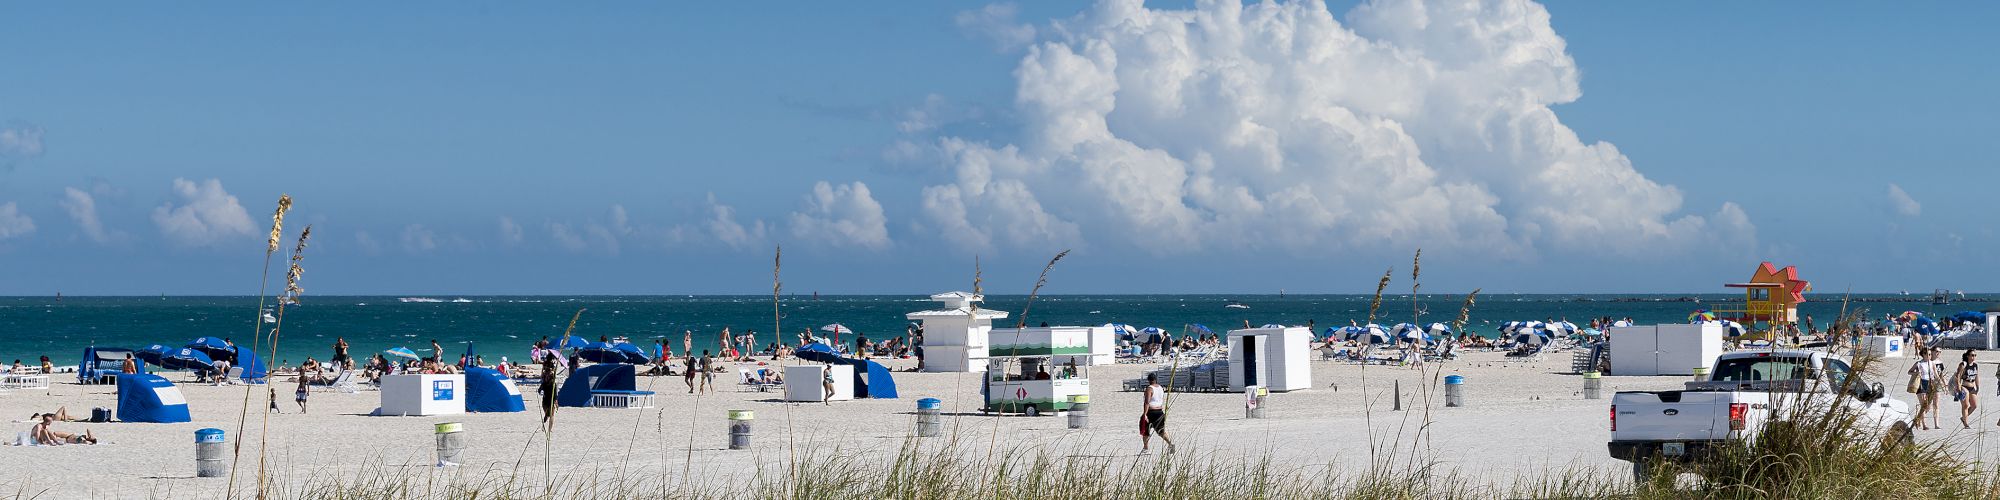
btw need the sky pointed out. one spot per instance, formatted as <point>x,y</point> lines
<point>1178,147</point>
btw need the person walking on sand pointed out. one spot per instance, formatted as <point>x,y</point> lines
<point>1154,416</point>
<point>707,372</point>
<point>548,388</point>
<point>691,369</point>
<point>1924,379</point>
<point>302,393</point>
<point>826,383</point>
<point>1967,380</point>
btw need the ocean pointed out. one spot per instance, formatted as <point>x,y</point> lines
<point>60,329</point>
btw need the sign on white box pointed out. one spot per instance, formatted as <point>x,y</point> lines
<point>416,394</point>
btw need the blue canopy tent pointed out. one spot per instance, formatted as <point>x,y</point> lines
<point>214,347</point>
<point>252,366</point>
<point>595,378</point>
<point>487,391</point>
<point>149,398</point>
<point>871,379</point>
<point>100,364</point>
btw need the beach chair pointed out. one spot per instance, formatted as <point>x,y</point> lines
<point>345,382</point>
<point>621,399</point>
<point>25,381</point>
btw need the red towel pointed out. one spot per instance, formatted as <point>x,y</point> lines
<point>1144,430</point>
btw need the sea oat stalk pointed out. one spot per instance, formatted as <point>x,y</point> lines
<point>257,331</point>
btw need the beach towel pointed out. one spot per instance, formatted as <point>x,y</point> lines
<point>1145,428</point>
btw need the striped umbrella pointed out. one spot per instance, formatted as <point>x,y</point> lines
<point>1439,329</point>
<point>1410,331</point>
<point>1701,315</point>
<point>403,352</point>
<point>1372,334</point>
<point>1344,333</point>
<point>1529,338</point>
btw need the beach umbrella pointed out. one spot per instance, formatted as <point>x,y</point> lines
<point>1563,327</point>
<point>600,352</point>
<point>214,347</point>
<point>1529,338</point>
<point>1409,331</point>
<point>1969,317</point>
<point>816,352</point>
<point>1440,329</point>
<point>1372,334</point>
<point>1152,332</point>
<point>1344,332</point>
<point>633,354</point>
<point>1508,328</point>
<point>570,342</point>
<point>1273,325</point>
<point>836,328</point>
<point>402,352</point>
<point>185,359</point>
<point>1592,332</point>
<point>1700,315</point>
<point>153,354</point>
<point>1909,316</point>
<point>1924,326</point>
<point>1197,328</point>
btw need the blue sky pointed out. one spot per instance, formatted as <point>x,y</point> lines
<point>648,148</point>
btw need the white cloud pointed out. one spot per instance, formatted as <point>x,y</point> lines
<point>207,214</point>
<point>419,239</point>
<point>511,233</point>
<point>13,223</point>
<point>1276,125</point>
<point>367,243</point>
<point>82,208</point>
<point>996,23</point>
<point>722,226</point>
<point>1903,203</point>
<point>20,142</point>
<point>842,216</point>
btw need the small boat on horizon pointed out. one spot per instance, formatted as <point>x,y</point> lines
<point>1235,305</point>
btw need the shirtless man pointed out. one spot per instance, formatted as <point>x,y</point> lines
<point>46,434</point>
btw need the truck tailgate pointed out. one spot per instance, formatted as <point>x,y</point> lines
<point>1672,415</point>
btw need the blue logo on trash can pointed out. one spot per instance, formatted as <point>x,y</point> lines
<point>441,390</point>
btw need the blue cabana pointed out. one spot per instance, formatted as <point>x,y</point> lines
<point>604,377</point>
<point>104,363</point>
<point>253,366</point>
<point>871,379</point>
<point>149,398</point>
<point>487,391</point>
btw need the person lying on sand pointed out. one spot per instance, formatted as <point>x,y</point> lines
<point>46,435</point>
<point>61,415</point>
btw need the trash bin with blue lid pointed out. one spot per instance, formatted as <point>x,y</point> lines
<point>209,449</point>
<point>929,422</point>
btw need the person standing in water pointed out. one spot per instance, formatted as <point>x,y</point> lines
<point>339,350</point>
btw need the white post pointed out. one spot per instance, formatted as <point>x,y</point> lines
<point>1992,322</point>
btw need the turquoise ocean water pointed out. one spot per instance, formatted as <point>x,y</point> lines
<point>31,327</point>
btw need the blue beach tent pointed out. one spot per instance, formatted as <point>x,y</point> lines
<point>595,378</point>
<point>149,398</point>
<point>103,363</point>
<point>487,391</point>
<point>871,379</point>
<point>253,366</point>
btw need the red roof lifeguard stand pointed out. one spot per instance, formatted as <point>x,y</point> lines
<point>1770,299</point>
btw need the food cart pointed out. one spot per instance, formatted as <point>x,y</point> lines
<point>1021,374</point>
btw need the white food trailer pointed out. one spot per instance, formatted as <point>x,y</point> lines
<point>1022,374</point>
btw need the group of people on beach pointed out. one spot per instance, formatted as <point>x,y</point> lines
<point>1928,379</point>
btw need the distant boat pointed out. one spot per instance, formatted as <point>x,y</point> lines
<point>1235,305</point>
<point>426,300</point>
<point>268,318</point>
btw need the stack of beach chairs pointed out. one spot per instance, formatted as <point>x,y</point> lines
<point>1207,377</point>
<point>1587,360</point>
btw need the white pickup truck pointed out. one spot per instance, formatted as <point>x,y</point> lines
<point>1743,391</point>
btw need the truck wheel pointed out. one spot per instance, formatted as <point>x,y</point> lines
<point>1033,411</point>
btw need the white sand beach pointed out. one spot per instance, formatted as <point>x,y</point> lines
<point>1524,418</point>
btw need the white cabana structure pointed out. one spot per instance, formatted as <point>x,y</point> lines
<point>956,335</point>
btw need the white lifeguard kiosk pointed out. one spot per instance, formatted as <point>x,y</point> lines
<point>1275,358</point>
<point>955,336</point>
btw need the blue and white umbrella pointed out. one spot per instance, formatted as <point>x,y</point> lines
<point>1152,332</point>
<point>1969,317</point>
<point>1563,327</point>
<point>1372,334</point>
<point>402,352</point>
<point>1508,328</point>
<point>1529,338</point>
<point>153,354</point>
<point>1439,329</point>
<point>1409,331</point>
<point>600,352</point>
<point>570,342</point>
<point>1924,326</point>
<point>1344,333</point>
<point>187,359</point>
<point>1197,328</point>
<point>214,347</point>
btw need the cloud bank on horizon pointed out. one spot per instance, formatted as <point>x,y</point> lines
<point>1279,126</point>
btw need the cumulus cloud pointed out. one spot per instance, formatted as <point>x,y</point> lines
<point>510,232</point>
<point>82,208</point>
<point>419,239</point>
<point>20,142</point>
<point>206,214</point>
<point>1903,203</point>
<point>13,223</point>
<point>842,216</point>
<point>723,228</point>
<point>367,243</point>
<point>996,23</point>
<point>1277,125</point>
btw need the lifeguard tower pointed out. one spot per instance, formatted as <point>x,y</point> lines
<point>1770,299</point>
<point>955,336</point>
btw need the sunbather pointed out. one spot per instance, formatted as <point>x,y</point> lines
<point>46,435</point>
<point>61,415</point>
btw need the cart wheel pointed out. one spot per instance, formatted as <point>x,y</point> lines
<point>1033,411</point>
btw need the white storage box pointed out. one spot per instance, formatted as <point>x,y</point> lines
<point>1664,349</point>
<point>1882,346</point>
<point>422,395</point>
<point>804,383</point>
